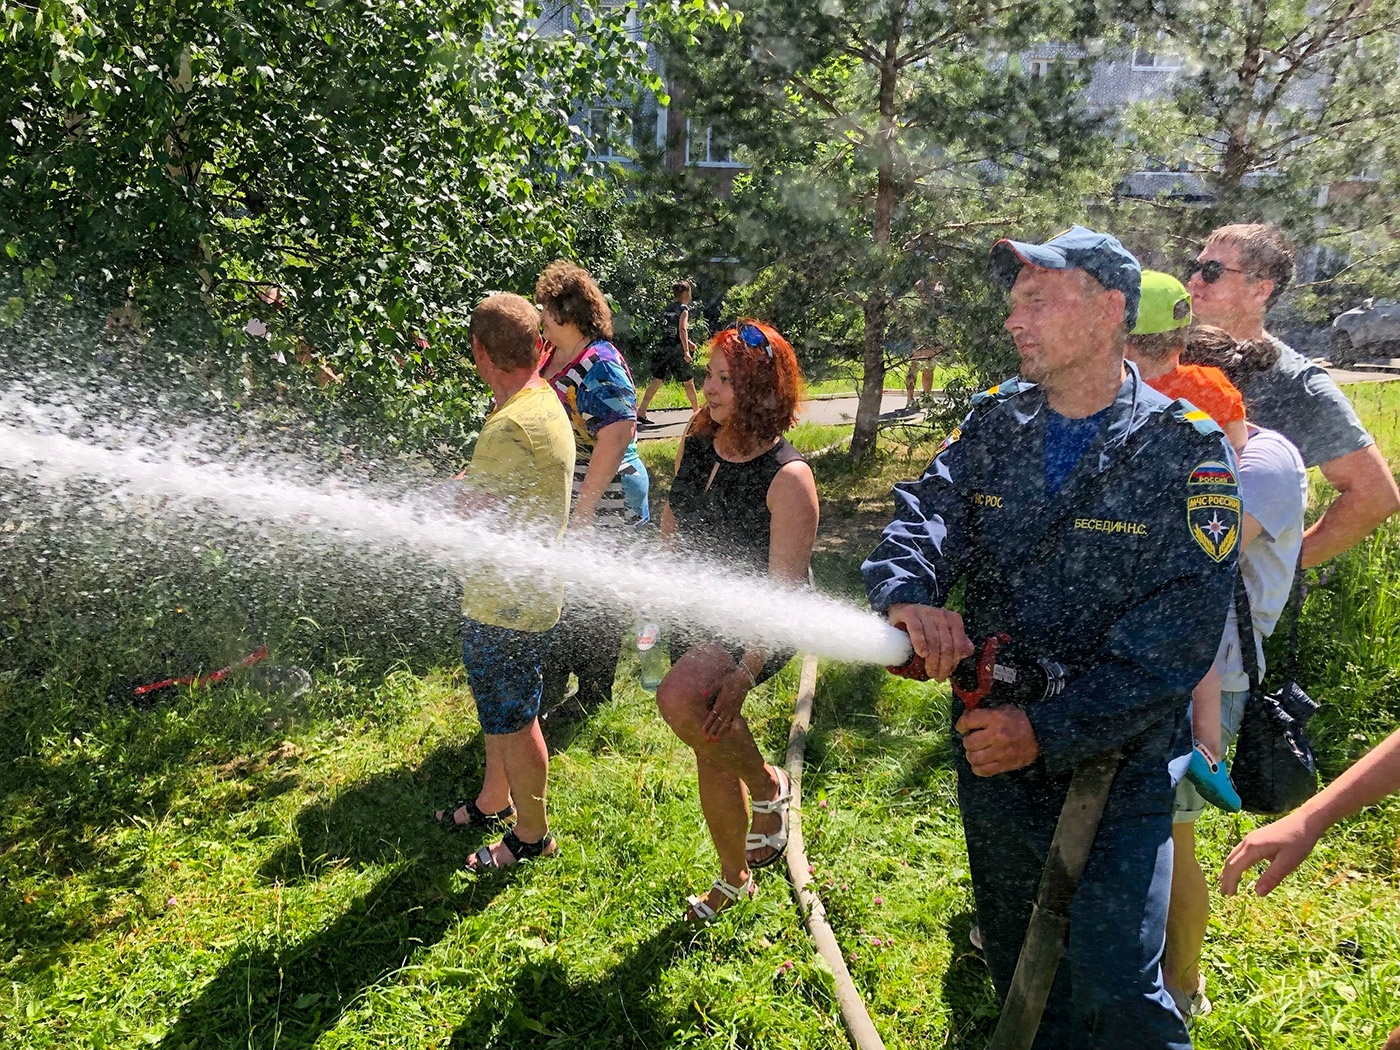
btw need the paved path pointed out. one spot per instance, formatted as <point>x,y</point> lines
<point>670,422</point>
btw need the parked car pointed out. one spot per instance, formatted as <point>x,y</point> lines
<point>1369,330</point>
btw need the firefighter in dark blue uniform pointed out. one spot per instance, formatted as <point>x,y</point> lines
<point>1096,523</point>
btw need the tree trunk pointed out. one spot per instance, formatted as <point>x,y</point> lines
<point>876,308</point>
<point>1239,154</point>
<point>872,386</point>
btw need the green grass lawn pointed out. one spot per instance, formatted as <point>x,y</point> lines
<point>235,870</point>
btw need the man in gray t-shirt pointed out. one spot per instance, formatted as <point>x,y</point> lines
<point>1238,275</point>
<point>1300,400</point>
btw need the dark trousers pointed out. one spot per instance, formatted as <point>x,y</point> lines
<point>1108,992</point>
<point>586,642</point>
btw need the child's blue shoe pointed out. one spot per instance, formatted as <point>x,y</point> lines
<point>1212,780</point>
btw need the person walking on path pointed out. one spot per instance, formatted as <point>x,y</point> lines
<point>1094,522</point>
<point>522,464</point>
<point>927,346</point>
<point>742,494</point>
<point>610,482</point>
<point>1240,272</point>
<point>674,359</point>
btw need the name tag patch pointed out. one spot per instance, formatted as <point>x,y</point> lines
<point>1123,528</point>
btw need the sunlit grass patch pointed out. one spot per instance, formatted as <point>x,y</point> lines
<point>231,868</point>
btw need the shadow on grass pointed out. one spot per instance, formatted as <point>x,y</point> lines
<point>73,770</point>
<point>384,819</point>
<point>289,995</point>
<point>967,989</point>
<point>546,1008</point>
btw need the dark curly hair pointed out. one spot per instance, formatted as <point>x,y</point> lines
<point>572,296</point>
<point>1237,358</point>
<point>767,388</point>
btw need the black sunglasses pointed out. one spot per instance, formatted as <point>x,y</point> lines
<point>752,335</point>
<point>1211,270</point>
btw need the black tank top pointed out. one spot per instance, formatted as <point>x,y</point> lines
<point>671,325</point>
<point>729,519</point>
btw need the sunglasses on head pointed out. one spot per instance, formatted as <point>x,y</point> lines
<point>1211,270</point>
<point>752,335</point>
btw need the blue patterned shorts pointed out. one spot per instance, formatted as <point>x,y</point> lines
<point>505,669</point>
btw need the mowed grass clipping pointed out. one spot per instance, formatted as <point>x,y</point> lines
<point>236,869</point>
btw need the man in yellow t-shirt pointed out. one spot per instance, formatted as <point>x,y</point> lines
<point>523,463</point>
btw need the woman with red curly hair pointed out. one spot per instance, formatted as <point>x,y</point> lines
<point>743,493</point>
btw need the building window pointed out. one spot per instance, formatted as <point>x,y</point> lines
<point>1039,68</point>
<point>632,26</point>
<point>609,133</point>
<point>710,146</point>
<point>1153,56</point>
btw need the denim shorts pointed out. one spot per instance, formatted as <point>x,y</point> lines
<point>1189,803</point>
<point>505,669</point>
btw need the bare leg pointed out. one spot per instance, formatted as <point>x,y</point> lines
<point>928,382</point>
<point>494,795</point>
<point>689,387</point>
<point>525,759</point>
<point>1187,915</point>
<point>651,390</point>
<point>1205,713</point>
<point>495,786</point>
<point>725,767</point>
<point>909,388</point>
<point>726,809</point>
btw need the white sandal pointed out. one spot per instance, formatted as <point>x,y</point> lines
<point>778,840</point>
<point>700,910</point>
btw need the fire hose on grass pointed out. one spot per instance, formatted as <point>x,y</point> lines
<point>853,1012</point>
<point>1048,930</point>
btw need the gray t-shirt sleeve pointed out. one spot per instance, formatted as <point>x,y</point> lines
<point>1272,483</point>
<point>1299,400</point>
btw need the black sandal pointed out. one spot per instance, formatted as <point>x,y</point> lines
<point>521,851</point>
<point>476,817</point>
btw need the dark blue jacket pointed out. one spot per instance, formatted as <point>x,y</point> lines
<point>1124,575</point>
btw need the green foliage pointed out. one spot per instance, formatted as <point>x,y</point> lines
<point>885,145</point>
<point>636,269</point>
<point>374,167</point>
<point>1285,105</point>
<point>237,870</point>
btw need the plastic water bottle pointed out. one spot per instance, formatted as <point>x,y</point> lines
<point>652,657</point>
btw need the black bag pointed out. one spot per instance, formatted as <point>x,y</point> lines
<point>1274,770</point>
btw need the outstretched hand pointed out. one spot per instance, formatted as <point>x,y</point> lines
<point>1285,844</point>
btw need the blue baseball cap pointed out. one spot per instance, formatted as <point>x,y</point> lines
<point>1099,255</point>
